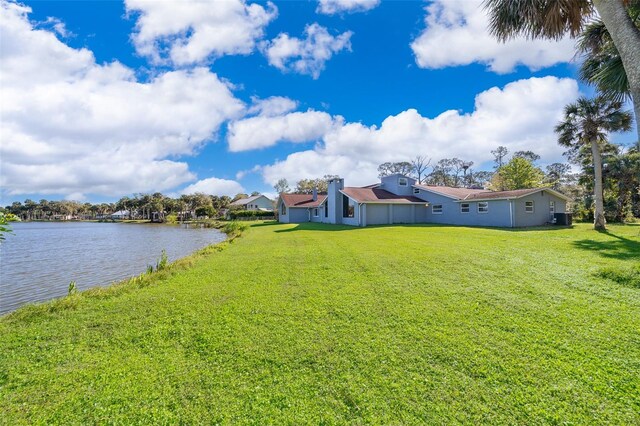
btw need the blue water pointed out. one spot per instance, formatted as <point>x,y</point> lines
<point>39,259</point>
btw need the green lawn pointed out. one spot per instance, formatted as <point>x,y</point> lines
<point>314,324</point>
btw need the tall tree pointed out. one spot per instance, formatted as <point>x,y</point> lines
<point>527,155</point>
<point>587,122</point>
<point>602,65</point>
<point>306,186</point>
<point>554,18</point>
<point>556,174</point>
<point>499,154</point>
<point>518,173</point>
<point>402,167</point>
<point>420,165</point>
<point>282,186</point>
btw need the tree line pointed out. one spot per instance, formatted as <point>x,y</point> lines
<point>139,206</point>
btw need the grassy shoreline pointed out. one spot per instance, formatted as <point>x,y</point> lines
<point>327,324</point>
<point>233,231</point>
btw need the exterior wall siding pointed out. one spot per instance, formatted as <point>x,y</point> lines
<point>261,203</point>
<point>390,183</point>
<point>541,213</point>
<point>355,220</point>
<point>377,214</point>
<point>498,214</point>
<point>298,214</point>
<point>334,198</point>
<point>282,218</point>
<point>319,218</point>
<point>402,214</point>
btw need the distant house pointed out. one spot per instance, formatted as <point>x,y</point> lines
<point>255,202</point>
<point>399,199</point>
<point>120,215</point>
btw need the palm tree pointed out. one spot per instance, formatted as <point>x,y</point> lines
<point>554,18</point>
<point>602,64</point>
<point>587,122</point>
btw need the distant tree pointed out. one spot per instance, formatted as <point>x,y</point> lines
<point>402,167</point>
<point>622,172</point>
<point>587,123</point>
<point>450,172</point>
<point>254,193</point>
<point>306,186</point>
<point>556,174</point>
<point>527,155</point>
<point>203,211</point>
<point>239,196</point>
<point>518,173</point>
<point>282,186</point>
<point>480,179</point>
<point>420,165</point>
<point>225,200</point>
<point>499,155</point>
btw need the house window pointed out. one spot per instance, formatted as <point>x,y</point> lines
<point>483,207</point>
<point>315,212</point>
<point>552,207</point>
<point>326,208</point>
<point>348,207</point>
<point>416,190</point>
<point>402,182</point>
<point>528,206</point>
<point>465,207</point>
<point>283,210</point>
<point>436,208</point>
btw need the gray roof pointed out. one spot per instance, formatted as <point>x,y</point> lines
<point>245,201</point>
<point>466,194</point>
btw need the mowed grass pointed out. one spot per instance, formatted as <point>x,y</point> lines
<point>320,324</point>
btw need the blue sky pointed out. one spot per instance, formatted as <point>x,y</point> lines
<point>104,99</point>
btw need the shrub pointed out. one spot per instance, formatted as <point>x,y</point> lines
<point>234,228</point>
<point>250,214</point>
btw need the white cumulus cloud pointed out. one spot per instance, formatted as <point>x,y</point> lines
<point>214,186</point>
<point>71,126</point>
<point>306,56</point>
<point>274,105</point>
<point>191,31</point>
<point>520,116</point>
<point>264,131</point>
<point>457,33</point>
<point>331,7</point>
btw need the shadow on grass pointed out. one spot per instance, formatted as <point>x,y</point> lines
<point>265,223</point>
<point>617,248</point>
<point>314,226</point>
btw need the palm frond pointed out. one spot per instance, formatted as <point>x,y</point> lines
<point>537,18</point>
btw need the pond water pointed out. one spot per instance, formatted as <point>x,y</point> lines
<point>39,259</point>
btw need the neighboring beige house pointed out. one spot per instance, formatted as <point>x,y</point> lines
<point>255,202</point>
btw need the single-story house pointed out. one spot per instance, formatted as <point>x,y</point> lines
<point>400,199</point>
<point>120,215</point>
<point>255,202</point>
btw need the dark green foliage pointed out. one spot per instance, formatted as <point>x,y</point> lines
<point>73,288</point>
<point>602,65</point>
<point>234,228</point>
<point>237,214</point>
<point>163,261</point>
<point>629,277</point>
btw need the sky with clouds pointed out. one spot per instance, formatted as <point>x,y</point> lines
<point>105,99</point>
